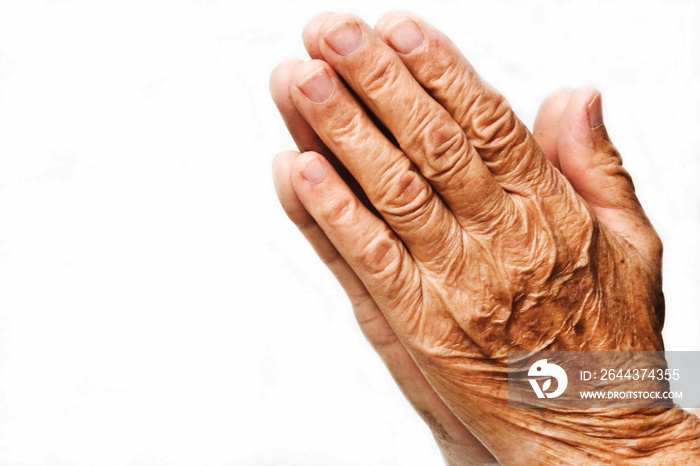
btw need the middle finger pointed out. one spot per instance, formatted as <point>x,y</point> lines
<point>426,132</point>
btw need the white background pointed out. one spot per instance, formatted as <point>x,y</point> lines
<point>157,307</point>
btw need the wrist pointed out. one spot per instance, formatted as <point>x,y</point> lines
<point>612,436</point>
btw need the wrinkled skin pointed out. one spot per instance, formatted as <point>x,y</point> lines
<point>459,236</point>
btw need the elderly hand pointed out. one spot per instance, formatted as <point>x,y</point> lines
<point>481,244</point>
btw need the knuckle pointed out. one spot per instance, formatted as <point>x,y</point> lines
<point>499,213</point>
<point>380,75</point>
<point>446,70</point>
<point>445,76</point>
<point>435,141</point>
<point>497,118</point>
<point>445,143</point>
<point>498,128</point>
<point>340,211</point>
<point>344,126</point>
<point>445,151</point>
<point>408,197</point>
<point>381,256</point>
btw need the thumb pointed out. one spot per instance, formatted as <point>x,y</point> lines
<point>593,166</point>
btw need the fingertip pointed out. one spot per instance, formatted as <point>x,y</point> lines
<point>307,68</point>
<point>280,78</point>
<point>392,17</point>
<point>282,169</point>
<point>557,99</point>
<point>580,104</point>
<point>576,121</point>
<point>310,35</point>
<point>588,158</point>
<point>311,167</point>
<point>406,32</point>
<point>587,93</point>
<point>595,112</point>
<point>282,159</point>
<point>547,122</point>
<point>284,69</point>
<point>312,81</point>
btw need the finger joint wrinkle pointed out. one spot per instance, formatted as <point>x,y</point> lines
<point>380,77</point>
<point>340,211</point>
<point>408,197</point>
<point>380,256</point>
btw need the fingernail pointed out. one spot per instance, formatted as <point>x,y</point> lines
<point>313,170</point>
<point>345,38</point>
<point>405,36</point>
<point>595,112</point>
<point>317,85</point>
